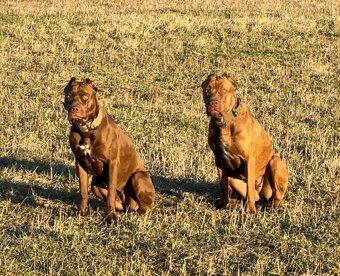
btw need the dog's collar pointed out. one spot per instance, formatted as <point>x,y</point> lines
<point>92,124</point>
<point>222,121</point>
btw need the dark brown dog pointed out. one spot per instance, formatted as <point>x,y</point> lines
<point>101,148</point>
<point>243,151</point>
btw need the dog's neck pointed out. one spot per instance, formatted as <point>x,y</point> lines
<point>227,118</point>
<point>93,123</point>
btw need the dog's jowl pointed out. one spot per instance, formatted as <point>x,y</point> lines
<point>244,155</point>
<point>102,149</point>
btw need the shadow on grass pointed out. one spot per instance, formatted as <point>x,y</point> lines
<point>38,166</point>
<point>179,187</point>
<point>23,193</point>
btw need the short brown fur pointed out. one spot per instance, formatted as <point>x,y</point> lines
<point>243,151</point>
<point>105,151</point>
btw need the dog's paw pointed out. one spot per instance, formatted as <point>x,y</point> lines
<point>142,210</point>
<point>250,209</point>
<point>233,202</point>
<point>83,211</point>
<point>111,216</point>
<point>271,205</point>
<point>221,204</point>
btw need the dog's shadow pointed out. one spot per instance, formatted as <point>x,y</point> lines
<point>179,187</point>
<point>23,193</point>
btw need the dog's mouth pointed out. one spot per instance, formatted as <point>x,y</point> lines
<point>76,120</point>
<point>214,113</point>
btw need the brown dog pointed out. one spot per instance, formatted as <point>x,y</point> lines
<point>101,148</point>
<point>243,151</point>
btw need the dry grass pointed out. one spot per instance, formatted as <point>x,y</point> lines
<point>148,58</point>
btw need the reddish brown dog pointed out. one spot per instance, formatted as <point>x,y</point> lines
<point>243,151</point>
<point>101,148</point>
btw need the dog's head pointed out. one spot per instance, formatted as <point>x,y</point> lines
<point>81,101</point>
<point>219,94</point>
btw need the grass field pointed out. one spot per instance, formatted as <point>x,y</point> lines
<point>148,58</point>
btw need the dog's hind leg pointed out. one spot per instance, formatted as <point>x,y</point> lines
<point>101,192</point>
<point>141,193</point>
<point>278,179</point>
<point>266,191</point>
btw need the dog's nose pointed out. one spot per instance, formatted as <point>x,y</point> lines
<point>75,109</point>
<point>213,103</point>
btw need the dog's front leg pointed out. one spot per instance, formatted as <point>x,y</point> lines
<point>83,187</point>
<point>224,189</point>
<point>250,174</point>
<point>111,196</point>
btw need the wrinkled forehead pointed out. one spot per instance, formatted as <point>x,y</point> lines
<point>78,88</point>
<point>218,83</point>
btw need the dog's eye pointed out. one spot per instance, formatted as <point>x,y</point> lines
<point>225,91</point>
<point>69,97</point>
<point>85,98</point>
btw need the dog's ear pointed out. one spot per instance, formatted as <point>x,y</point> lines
<point>72,81</point>
<point>210,76</point>
<point>205,83</point>
<point>90,82</point>
<point>226,75</point>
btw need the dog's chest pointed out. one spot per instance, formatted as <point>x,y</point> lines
<point>89,158</point>
<point>231,160</point>
<point>224,152</point>
<point>85,150</point>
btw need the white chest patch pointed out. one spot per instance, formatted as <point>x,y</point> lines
<point>86,149</point>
